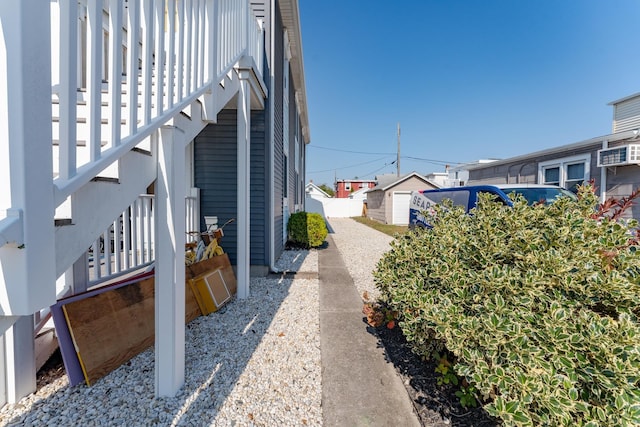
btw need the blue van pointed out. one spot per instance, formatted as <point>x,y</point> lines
<point>467,197</point>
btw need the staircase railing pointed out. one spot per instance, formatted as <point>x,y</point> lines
<point>108,100</point>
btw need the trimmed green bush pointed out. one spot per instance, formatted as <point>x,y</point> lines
<point>538,304</point>
<point>306,230</point>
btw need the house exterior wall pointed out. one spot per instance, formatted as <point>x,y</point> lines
<point>293,113</point>
<point>626,115</point>
<point>345,187</point>
<point>526,170</point>
<point>376,204</point>
<point>621,181</point>
<point>276,93</point>
<point>215,159</point>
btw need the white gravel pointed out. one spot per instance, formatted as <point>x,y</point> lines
<point>255,362</point>
<point>361,248</point>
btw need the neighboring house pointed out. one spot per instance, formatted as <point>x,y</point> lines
<point>439,178</point>
<point>225,137</point>
<point>360,194</point>
<point>611,161</point>
<point>344,187</point>
<point>459,174</point>
<point>315,192</point>
<point>388,202</point>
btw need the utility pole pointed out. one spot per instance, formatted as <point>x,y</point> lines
<point>398,157</point>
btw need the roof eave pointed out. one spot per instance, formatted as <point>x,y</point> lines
<point>577,145</point>
<point>291,20</point>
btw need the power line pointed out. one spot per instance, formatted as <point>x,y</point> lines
<point>437,162</point>
<point>348,167</point>
<point>349,151</point>
<point>379,169</point>
<point>434,161</point>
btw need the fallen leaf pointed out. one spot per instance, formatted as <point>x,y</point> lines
<point>281,334</point>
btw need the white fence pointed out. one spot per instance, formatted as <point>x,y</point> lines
<point>334,208</point>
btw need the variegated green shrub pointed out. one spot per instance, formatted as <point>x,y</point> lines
<point>538,304</point>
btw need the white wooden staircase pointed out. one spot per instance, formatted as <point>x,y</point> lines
<point>90,148</point>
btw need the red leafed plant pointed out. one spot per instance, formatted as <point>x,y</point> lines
<point>378,315</point>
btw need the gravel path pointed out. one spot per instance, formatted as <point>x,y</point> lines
<point>253,363</point>
<point>361,247</point>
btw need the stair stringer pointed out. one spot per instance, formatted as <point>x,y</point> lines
<point>97,204</point>
<point>224,93</point>
<point>191,121</point>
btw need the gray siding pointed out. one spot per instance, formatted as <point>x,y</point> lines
<point>278,160</point>
<point>376,205</point>
<point>215,159</point>
<point>621,180</point>
<point>626,115</point>
<point>525,171</point>
<point>380,203</point>
<point>292,147</point>
<point>412,184</point>
<point>622,183</point>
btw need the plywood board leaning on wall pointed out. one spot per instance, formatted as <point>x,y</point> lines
<point>112,327</point>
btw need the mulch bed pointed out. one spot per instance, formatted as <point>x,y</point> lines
<point>436,405</point>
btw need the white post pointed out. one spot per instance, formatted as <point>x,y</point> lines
<point>20,359</point>
<point>244,181</point>
<point>211,58</point>
<point>27,266</point>
<point>170,273</point>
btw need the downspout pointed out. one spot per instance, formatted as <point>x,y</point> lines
<point>272,182</point>
<point>603,176</point>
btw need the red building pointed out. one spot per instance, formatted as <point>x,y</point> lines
<point>344,187</point>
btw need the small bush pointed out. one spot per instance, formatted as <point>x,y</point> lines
<point>306,230</point>
<point>538,304</point>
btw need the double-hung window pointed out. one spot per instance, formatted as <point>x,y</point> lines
<point>568,172</point>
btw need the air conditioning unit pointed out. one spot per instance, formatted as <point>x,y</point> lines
<point>619,156</point>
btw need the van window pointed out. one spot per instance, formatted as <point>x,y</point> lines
<point>459,198</point>
<point>494,197</point>
<point>540,194</point>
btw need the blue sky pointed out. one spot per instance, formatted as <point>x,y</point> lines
<point>466,79</point>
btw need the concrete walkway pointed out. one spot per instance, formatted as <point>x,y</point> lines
<point>359,387</point>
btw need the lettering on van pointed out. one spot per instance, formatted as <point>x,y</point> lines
<point>418,206</point>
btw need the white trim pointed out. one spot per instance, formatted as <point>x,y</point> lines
<point>562,164</point>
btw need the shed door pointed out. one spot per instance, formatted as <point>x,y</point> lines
<point>401,200</point>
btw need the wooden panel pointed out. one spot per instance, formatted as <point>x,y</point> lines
<point>191,308</point>
<point>110,328</point>
<point>206,265</point>
<point>67,348</point>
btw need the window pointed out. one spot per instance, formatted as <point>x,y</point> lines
<point>575,176</point>
<point>347,186</point>
<point>552,175</point>
<point>568,172</point>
